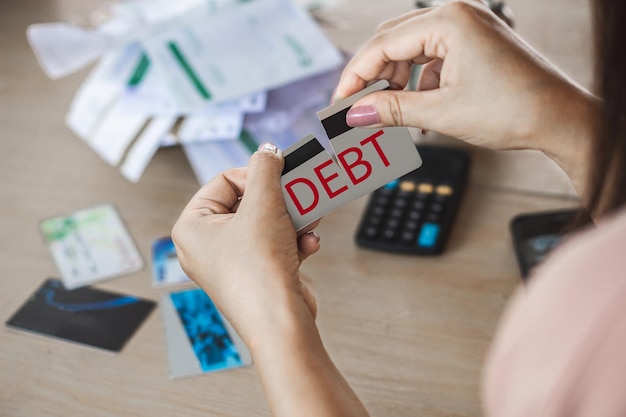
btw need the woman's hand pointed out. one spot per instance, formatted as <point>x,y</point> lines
<point>236,240</point>
<point>479,82</point>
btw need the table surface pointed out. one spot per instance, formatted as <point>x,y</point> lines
<point>409,333</point>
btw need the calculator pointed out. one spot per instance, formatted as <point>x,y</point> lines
<point>415,213</point>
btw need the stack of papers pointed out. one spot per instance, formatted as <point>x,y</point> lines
<point>215,76</point>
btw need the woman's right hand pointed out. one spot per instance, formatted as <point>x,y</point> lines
<point>479,82</point>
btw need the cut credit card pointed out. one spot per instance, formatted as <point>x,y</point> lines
<point>315,182</point>
<point>88,316</point>
<point>90,245</point>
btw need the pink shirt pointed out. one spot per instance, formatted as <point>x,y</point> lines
<point>561,347</point>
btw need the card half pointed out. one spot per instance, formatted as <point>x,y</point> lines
<point>370,157</point>
<point>88,316</point>
<point>199,339</point>
<point>312,183</point>
<point>90,245</point>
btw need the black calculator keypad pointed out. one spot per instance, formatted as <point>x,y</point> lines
<point>414,213</point>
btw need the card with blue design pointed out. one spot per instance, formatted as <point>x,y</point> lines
<point>166,269</point>
<point>198,337</point>
<point>88,316</point>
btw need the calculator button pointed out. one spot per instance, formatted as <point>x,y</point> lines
<point>444,190</point>
<point>397,213</point>
<point>400,202</point>
<point>418,205</point>
<point>391,185</point>
<point>436,207</point>
<point>390,233</point>
<point>433,217</point>
<point>374,221</point>
<point>393,223</point>
<point>411,225</point>
<point>370,231</point>
<point>378,210</point>
<point>414,215</point>
<point>441,198</point>
<point>407,186</point>
<point>408,236</point>
<point>428,235</point>
<point>381,200</point>
<point>425,188</point>
<point>422,197</point>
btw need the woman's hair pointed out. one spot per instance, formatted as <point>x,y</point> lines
<point>607,182</point>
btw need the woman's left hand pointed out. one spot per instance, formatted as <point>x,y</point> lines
<point>237,241</point>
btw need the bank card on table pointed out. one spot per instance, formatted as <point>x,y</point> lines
<point>90,245</point>
<point>315,182</point>
<point>88,316</point>
<point>199,339</point>
<point>166,269</point>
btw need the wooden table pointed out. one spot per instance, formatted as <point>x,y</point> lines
<point>409,333</point>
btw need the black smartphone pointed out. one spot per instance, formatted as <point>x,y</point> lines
<point>535,235</point>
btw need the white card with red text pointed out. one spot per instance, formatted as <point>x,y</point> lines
<point>315,183</point>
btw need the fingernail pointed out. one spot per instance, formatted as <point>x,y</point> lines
<point>315,235</point>
<point>362,116</point>
<point>268,147</point>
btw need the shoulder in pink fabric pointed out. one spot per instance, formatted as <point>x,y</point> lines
<point>561,347</point>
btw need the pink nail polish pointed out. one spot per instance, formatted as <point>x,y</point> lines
<point>362,116</point>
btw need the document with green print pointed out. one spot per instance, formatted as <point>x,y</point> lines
<point>90,245</point>
<point>255,46</point>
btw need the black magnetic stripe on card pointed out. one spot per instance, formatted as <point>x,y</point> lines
<point>299,156</point>
<point>336,125</point>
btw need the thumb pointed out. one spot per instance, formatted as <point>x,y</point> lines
<point>263,191</point>
<point>397,108</point>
